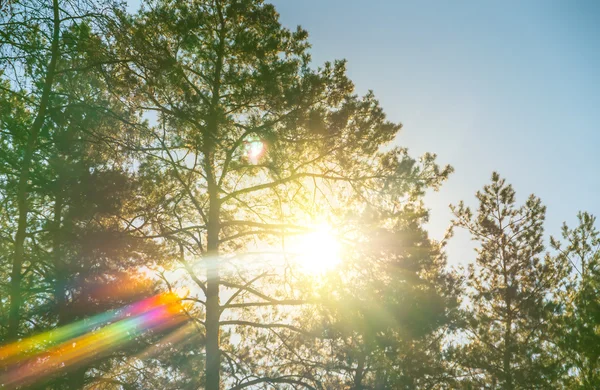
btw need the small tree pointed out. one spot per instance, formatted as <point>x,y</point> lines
<point>578,334</point>
<point>509,292</point>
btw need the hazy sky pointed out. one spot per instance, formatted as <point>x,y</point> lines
<point>512,86</point>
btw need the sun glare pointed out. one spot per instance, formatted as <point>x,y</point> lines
<point>255,148</point>
<point>317,251</point>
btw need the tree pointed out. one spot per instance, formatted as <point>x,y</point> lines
<point>252,143</point>
<point>37,40</point>
<point>60,121</point>
<point>510,290</point>
<point>390,307</point>
<point>16,39</point>
<point>13,123</point>
<point>577,334</point>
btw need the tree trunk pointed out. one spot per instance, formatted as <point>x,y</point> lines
<point>213,309</point>
<point>17,265</point>
<point>507,358</point>
<point>59,269</point>
<point>508,382</point>
<point>76,379</point>
<point>360,371</point>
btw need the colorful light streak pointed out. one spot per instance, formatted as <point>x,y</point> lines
<point>186,332</point>
<point>41,356</point>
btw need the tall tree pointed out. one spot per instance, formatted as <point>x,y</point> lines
<point>81,198</point>
<point>14,120</point>
<point>509,292</point>
<point>19,37</point>
<point>252,141</point>
<point>40,43</point>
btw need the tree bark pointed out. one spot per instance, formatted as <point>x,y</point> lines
<point>360,371</point>
<point>17,265</point>
<point>76,379</point>
<point>507,358</point>
<point>59,271</point>
<point>213,280</point>
<point>508,382</point>
<point>213,309</point>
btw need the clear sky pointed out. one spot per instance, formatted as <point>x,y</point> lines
<point>512,86</point>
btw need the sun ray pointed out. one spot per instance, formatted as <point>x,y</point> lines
<point>318,251</point>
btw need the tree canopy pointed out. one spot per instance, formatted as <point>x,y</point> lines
<point>188,201</point>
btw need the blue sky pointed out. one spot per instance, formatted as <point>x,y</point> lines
<point>511,86</point>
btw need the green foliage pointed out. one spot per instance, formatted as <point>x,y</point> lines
<point>578,332</point>
<point>510,290</point>
<point>390,307</point>
<point>176,148</point>
<point>221,75</point>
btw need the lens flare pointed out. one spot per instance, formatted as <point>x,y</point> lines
<point>38,357</point>
<point>254,150</point>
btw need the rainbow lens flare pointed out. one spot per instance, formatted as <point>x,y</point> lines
<point>38,357</point>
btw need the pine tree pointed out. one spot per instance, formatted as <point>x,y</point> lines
<point>41,43</point>
<point>578,333</point>
<point>79,186</point>
<point>252,142</point>
<point>391,307</point>
<point>510,287</point>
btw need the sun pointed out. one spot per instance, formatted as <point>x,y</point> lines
<point>318,251</point>
<point>254,149</point>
